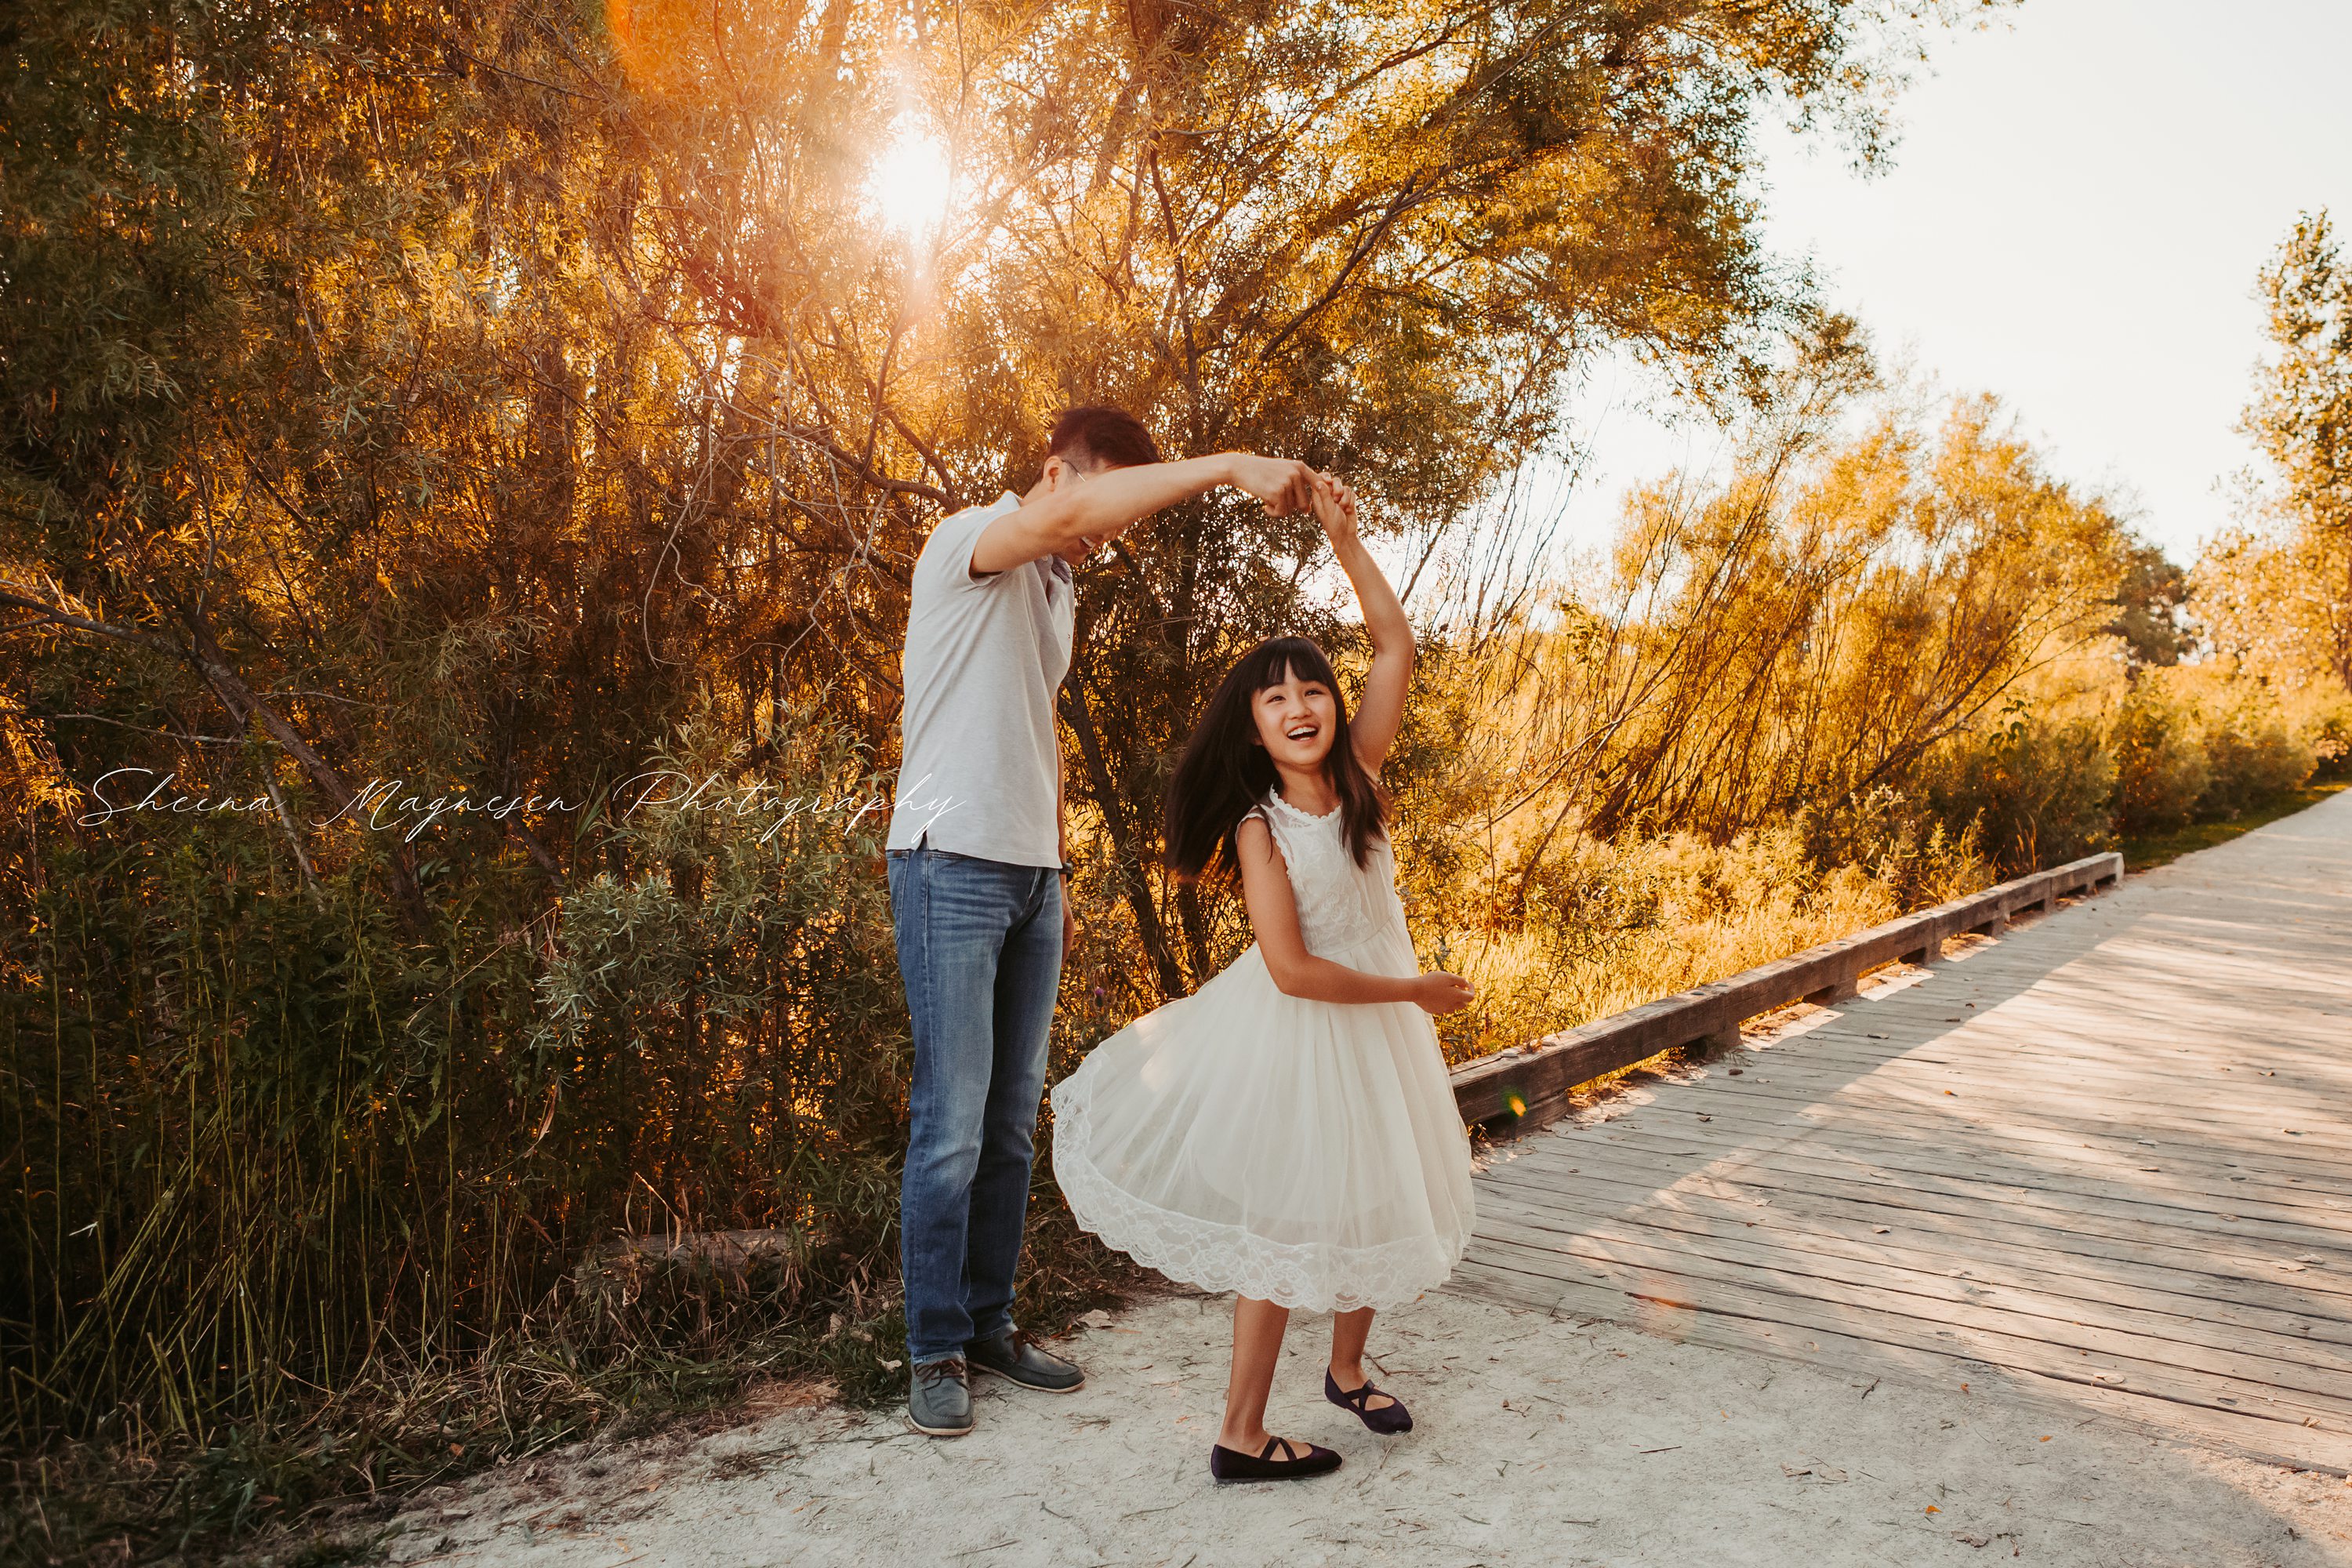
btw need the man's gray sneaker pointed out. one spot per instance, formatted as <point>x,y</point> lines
<point>1014,1356</point>
<point>939,1399</point>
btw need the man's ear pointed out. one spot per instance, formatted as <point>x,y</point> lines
<point>1061,472</point>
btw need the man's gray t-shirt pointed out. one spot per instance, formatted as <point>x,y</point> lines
<point>979,759</point>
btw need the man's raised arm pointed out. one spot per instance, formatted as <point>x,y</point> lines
<point>1109,502</point>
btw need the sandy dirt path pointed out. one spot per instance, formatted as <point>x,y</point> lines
<point>1539,1441</point>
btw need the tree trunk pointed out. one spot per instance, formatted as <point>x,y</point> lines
<point>1105,795</point>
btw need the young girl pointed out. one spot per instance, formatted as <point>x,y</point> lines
<point>1286,1132</point>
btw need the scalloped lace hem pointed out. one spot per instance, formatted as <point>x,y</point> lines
<point>1315,1277</point>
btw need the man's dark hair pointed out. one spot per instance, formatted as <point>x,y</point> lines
<point>1096,437</point>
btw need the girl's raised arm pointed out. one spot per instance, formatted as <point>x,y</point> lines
<point>1379,712</point>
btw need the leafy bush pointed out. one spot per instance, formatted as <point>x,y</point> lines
<point>2039,790</point>
<point>2160,769</point>
<point>2250,756</point>
<point>2328,731</point>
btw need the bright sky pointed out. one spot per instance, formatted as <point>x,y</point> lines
<point>2080,201</point>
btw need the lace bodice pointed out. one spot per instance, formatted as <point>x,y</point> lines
<point>1341,903</point>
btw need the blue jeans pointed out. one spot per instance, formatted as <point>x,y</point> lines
<point>980,947</point>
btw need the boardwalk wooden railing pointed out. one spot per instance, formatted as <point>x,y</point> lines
<point>1528,1086</point>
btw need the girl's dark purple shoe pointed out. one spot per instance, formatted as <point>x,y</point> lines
<point>1388,1420</point>
<point>1299,1461</point>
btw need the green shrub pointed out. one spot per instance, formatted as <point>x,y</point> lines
<point>2160,770</point>
<point>2249,758</point>
<point>2037,790</point>
<point>1902,843</point>
<point>2328,731</point>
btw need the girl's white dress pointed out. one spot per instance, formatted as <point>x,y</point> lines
<point>1298,1151</point>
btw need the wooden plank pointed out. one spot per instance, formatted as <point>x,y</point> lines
<point>2027,1095</point>
<point>2025,1025</point>
<point>2024,1045</point>
<point>2053,1347</point>
<point>2236,1272</point>
<point>2111,1032</point>
<point>2125,1289</point>
<point>2314,1141</point>
<point>2302,1173</point>
<point>2323,1224</point>
<point>1889,1319</point>
<point>1782,1082</point>
<point>2201,1273</point>
<point>2222,1184</point>
<point>1829,1173</point>
<point>1776,1075</point>
<point>2026,1089</point>
<point>2195,1403</point>
<point>2051,1220</point>
<point>2298,1360</point>
<point>2106,1145</point>
<point>1772,1104</point>
<point>1902,1213</point>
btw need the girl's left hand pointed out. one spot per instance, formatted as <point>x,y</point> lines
<point>1334,509</point>
<point>1439,993</point>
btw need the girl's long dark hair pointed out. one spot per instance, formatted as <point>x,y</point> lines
<point>1224,772</point>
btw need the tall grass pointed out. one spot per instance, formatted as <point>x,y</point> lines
<point>307,1209</point>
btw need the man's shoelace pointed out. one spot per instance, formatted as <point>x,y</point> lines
<point>932,1371</point>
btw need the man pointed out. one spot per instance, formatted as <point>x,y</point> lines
<point>978,855</point>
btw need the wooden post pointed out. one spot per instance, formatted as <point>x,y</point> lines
<point>1837,990</point>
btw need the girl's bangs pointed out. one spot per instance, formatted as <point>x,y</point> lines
<point>1281,658</point>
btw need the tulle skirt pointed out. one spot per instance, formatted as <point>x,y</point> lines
<point>1298,1151</point>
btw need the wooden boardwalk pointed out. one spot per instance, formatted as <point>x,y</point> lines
<point>2103,1162</point>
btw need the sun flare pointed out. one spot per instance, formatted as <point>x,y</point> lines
<point>913,180</point>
